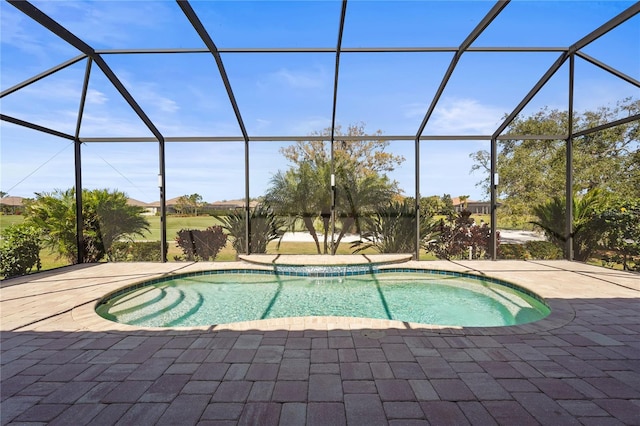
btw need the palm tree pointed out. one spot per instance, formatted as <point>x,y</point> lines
<point>115,218</point>
<point>305,194</point>
<point>392,229</point>
<point>359,196</point>
<point>587,229</point>
<point>265,227</point>
<point>298,195</point>
<point>54,213</point>
<point>463,201</point>
<point>106,215</point>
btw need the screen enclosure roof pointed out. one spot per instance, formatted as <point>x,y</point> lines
<point>101,71</point>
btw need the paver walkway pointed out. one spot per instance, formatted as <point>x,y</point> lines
<point>62,364</point>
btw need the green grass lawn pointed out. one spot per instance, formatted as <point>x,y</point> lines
<point>7,220</point>
<point>176,223</point>
<point>478,218</point>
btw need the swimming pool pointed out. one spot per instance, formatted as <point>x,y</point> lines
<point>416,296</point>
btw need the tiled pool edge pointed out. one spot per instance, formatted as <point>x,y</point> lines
<point>561,314</point>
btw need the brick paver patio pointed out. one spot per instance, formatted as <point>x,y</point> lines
<point>62,364</point>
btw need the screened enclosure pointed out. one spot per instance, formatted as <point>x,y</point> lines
<point>337,117</point>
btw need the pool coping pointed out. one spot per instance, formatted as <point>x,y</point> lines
<point>270,260</point>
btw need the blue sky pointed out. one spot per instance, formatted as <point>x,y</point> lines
<point>287,94</point>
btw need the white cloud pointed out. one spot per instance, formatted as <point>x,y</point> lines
<point>107,124</point>
<point>150,97</point>
<point>299,79</point>
<point>15,34</point>
<point>96,97</point>
<point>305,126</point>
<point>52,89</point>
<point>165,104</point>
<point>56,109</point>
<point>148,94</point>
<point>464,116</point>
<point>104,21</point>
<point>414,110</point>
<point>202,99</point>
<point>592,93</point>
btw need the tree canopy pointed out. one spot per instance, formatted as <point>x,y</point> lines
<point>303,192</point>
<point>365,157</point>
<point>533,171</point>
<point>189,204</point>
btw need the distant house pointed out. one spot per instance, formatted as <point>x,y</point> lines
<point>475,207</point>
<point>149,209</point>
<point>170,204</point>
<point>154,207</point>
<point>11,205</point>
<point>231,204</point>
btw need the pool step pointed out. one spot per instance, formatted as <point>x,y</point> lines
<point>137,300</point>
<point>159,307</point>
<point>192,302</point>
<point>140,309</point>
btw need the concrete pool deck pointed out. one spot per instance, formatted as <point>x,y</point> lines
<point>63,364</point>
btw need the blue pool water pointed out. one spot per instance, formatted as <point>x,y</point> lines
<point>418,297</point>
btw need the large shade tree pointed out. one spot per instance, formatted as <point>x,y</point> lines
<point>303,192</point>
<point>189,204</point>
<point>533,171</point>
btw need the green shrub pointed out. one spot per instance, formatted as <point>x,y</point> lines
<point>629,263</point>
<point>265,227</point>
<point>621,222</point>
<point>135,251</point>
<point>540,250</point>
<point>392,229</point>
<point>513,251</point>
<point>454,237</point>
<point>119,251</point>
<point>514,221</point>
<point>19,250</point>
<point>146,251</point>
<point>198,244</point>
<point>543,250</point>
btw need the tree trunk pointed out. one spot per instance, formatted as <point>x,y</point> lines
<point>326,221</point>
<point>308,223</point>
<point>348,222</point>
